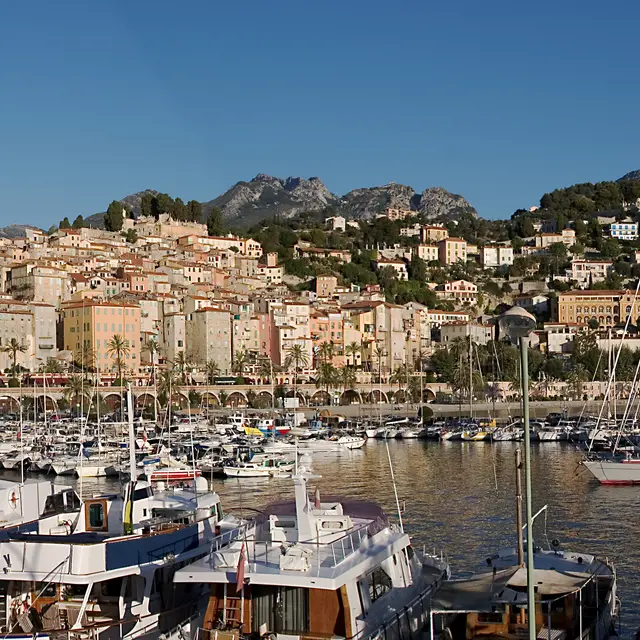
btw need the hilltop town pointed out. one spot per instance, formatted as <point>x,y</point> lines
<point>323,299</point>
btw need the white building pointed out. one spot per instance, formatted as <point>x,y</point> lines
<point>585,272</point>
<point>399,266</point>
<point>496,255</point>
<point>625,230</point>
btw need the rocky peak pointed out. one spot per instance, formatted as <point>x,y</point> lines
<point>437,202</point>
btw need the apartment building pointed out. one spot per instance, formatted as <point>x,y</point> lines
<point>480,333</point>
<point>608,308</point>
<point>209,338</point>
<point>399,266</point>
<point>566,237</point>
<point>431,234</point>
<point>427,252</point>
<point>462,291</point>
<point>90,325</point>
<point>585,272</point>
<point>496,255</point>
<point>625,230</point>
<point>39,283</point>
<point>452,250</point>
<point>437,317</point>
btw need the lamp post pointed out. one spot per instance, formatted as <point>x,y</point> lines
<point>518,325</point>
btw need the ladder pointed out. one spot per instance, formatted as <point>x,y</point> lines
<point>232,614</point>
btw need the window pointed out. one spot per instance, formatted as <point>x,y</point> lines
<point>96,516</point>
<point>282,609</point>
<point>379,583</point>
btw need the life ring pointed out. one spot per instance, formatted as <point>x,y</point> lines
<point>13,499</point>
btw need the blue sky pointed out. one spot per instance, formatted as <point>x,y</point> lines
<point>499,101</point>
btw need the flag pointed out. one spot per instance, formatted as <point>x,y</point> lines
<point>317,504</point>
<point>240,571</point>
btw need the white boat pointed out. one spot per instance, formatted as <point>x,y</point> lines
<point>317,569</point>
<point>352,442</point>
<point>575,599</point>
<point>372,432</point>
<point>267,468</point>
<point>614,470</point>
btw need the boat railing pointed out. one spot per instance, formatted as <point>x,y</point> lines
<point>407,622</point>
<point>333,553</point>
<point>228,536</point>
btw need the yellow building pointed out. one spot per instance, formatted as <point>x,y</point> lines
<point>452,250</point>
<point>90,325</point>
<point>608,308</point>
<point>433,233</point>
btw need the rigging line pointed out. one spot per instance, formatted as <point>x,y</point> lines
<point>493,453</point>
<point>593,379</point>
<point>627,408</point>
<point>393,481</point>
<point>495,352</point>
<point>615,364</point>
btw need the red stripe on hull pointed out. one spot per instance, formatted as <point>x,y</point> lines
<point>174,476</point>
<point>620,482</point>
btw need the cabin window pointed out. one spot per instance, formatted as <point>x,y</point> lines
<point>282,609</point>
<point>219,510</point>
<point>379,583</point>
<point>96,516</point>
<point>141,494</point>
<point>332,524</point>
<point>284,524</point>
<point>45,589</point>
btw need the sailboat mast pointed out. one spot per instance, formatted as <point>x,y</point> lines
<point>519,507</point>
<point>470,375</point>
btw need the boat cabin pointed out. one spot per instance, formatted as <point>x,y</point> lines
<point>575,598</point>
<point>316,569</point>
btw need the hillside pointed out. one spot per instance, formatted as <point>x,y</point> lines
<point>15,230</point>
<point>267,196</point>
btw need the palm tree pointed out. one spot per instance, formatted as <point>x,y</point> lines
<point>213,371</point>
<point>118,348</point>
<point>353,349</point>
<point>52,365</point>
<point>14,348</point>
<point>167,383</point>
<point>400,375</point>
<point>296,358</point>
<point>152,348</point>
<point>415,389</point>
<point>265,368</point>
<point>84,358</point>
<point>181,366</point>
<point>76,389</point>
<point>326,376</point>
<point>346,377</point>
<point>325,351</point>
<point>239,362</point>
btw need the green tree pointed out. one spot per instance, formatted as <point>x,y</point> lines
<point>76,390</point>
<point>194,209</point>
<point>13,348</point>
<point>146,205</point>
<point>131,236</point>
<point>78,223</point>
<point>163,203</point>
<point>215,222</point>
<point>353,351</point>
<point>64,223</point>
<point>114,217</point>
<point>326,376</point>
<point>296,358</point>
<point>417,269</point>
<point>213,371</point>
<point>240,362</point>
<point>118,348</point>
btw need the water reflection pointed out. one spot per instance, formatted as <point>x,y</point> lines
<point>459,498</point>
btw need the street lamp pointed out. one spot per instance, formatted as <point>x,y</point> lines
<point>518,325</point>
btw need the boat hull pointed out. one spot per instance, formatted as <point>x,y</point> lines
<point>614,472</point>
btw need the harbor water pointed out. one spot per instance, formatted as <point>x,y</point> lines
<point>458,498</point>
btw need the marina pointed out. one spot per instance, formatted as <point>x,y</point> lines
<point>458,498</point>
